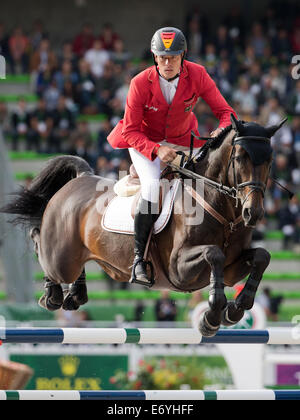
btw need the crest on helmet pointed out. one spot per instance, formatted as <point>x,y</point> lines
<point>167,38</point>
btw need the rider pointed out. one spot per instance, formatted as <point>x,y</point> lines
<point>158,121</point>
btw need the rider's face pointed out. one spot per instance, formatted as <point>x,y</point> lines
<point>169,65</point>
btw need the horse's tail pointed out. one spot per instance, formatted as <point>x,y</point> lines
<point>30,203</point>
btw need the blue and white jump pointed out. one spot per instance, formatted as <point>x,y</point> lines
<point>188,395</point>
<point>279,336</point>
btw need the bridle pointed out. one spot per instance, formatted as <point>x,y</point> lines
<point>234,191</point>
<point>255,185</point>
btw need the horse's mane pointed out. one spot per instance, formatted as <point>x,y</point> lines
<point>214,142</point>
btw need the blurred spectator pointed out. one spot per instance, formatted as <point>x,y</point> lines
<point>104,168</point>
<point>295,38</point>
<point>296,136</point>
<point>223,41</point>
<point>195,40</point>
<point>269,22</point>
<point>165,308</point>
<point>294,101</point>
<point>19,123</point>
<point>108,37</point>
<point>280,170</point>
<point>281,46</point>
<point>80,148</point>
<point>106,87</point>
<point>272,113</point>
<point>43,58</point>
<point>235,23</point>
<point>18,51</point>
<point>119,55</point>
<point>210,59</point>
<point>40,130</point>
<point>37,34</point>
<point>82,130</point>
<point>97,57</point>
<point>65,74</point>
<point>63,124</point>
<point>225,78</point>
<point>245,97</point>
<point>257,39</point>
<point>84,40</point>
<point>289,223</point>
<point>85,89</point>
<point>67,54</point>
<point>43,80</point>
<point>247,59</point>
<point>51,96</point>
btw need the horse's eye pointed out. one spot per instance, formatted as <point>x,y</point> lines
<point>238,159</point>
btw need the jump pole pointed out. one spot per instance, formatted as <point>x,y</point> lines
<point>262,394</point>
<point>279,336</point>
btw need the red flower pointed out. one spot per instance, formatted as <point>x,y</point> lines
<point>150,369</point>
<point>112,380</point>
<point>138,385</point>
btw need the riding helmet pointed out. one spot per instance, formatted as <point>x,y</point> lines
<point>168,41</point>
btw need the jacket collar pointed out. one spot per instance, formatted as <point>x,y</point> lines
<point>153,74</point>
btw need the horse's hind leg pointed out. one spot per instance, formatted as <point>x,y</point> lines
<point>211,319</point>
<point>53,299</point>
<point>77,295</point>
<point>253,261</point>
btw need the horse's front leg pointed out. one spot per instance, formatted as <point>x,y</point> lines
<point>196,267</point>
<point>211,319</point>
<point>253,261</point>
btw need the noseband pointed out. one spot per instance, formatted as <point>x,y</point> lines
<point>255,185</point>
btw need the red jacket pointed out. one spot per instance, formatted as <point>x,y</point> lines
<point>149,119</point>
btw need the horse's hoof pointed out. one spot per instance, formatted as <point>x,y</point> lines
<point>73,301</point>
<point>70,303</point>
<point>231,315</point>
<point>45,302</point>
<point>206,329</point>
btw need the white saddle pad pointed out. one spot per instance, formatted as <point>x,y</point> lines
<point>117,216</point>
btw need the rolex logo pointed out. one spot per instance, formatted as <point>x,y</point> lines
<point>69,365</point>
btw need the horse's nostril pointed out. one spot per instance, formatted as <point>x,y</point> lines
<point>247,213</point>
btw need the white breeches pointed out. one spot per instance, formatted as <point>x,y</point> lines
<point>149,171</point>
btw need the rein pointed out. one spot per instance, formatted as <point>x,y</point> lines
<point>220,187</point>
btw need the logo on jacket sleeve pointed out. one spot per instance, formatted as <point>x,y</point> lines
<point>167,38</point>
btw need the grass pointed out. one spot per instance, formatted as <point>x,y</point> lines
<point>272,276</point>
<point>19,78</point>
<point>155,295</point>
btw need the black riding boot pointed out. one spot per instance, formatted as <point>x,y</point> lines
<point>143,222</point>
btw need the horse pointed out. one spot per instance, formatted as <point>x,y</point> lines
<point>61,208</point>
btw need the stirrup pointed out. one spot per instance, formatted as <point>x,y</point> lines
<point>133,278</point>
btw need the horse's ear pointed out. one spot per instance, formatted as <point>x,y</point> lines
<point>273,128</point>
<point>236,124</point>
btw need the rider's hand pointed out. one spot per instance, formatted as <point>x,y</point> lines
<point>216,132</point>
<point>166,154</point>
